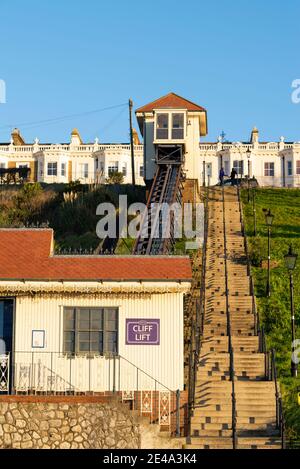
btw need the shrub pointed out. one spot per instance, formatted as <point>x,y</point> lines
<point>257,251</point>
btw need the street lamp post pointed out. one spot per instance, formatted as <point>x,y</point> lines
<point>248,153</point>
<point>269,221</point>
<point>290,261</point>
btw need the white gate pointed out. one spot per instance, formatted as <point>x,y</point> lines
<point>4,373</point>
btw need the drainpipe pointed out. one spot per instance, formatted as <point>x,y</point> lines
<point>283,171</point>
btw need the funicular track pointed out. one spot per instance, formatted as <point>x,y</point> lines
<point>235,400</point>
<point>157,230</point>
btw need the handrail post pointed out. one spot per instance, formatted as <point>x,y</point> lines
<point>114,373</point>
<point>178,413</point>
<point>189,405</point>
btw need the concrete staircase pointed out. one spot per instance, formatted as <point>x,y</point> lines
<point>211,424</point>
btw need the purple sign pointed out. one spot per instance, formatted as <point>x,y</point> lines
<point>142,331</point>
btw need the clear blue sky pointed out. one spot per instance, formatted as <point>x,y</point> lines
<point>237,58</point>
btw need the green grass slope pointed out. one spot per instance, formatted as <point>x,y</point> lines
<point>275,312</point>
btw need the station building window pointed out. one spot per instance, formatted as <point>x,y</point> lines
<point>162,126</point>
<point>90,330</point>
<point>178,126</point>
<point>170,126</point>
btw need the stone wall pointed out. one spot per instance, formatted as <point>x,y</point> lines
<point>47,425</point>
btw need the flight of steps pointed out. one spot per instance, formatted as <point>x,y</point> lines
<point>211,425</point>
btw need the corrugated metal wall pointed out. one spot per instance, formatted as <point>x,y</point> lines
<point>163,362</point>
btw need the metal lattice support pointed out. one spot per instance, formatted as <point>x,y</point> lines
<point>164,408</point>
<point>127,395</point>
<point>4,373</point>
<point>22,377</point>
<point>146,402</point>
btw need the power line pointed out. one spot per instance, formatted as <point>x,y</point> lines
<point>60,119</point>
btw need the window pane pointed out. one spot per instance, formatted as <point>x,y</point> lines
<point>69,347</point>
<point>178,120</point>
<point>69,342</point>
<point>97,319</point>
<point>95,347</point>
<point>69,317</point>
<point>162,121</point>
<point>111,342</point>
<point>111,322</point>
<point>83,319</point>
<point>162,126</point>
<point>95,336</point>
<point>177,125</point>
<point>84,336</point>
<point>84,347</point>
<point>96,344</point>
<point>69,336</point>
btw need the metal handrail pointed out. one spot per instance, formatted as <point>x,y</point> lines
<point>230,348</point>
<point>280,420</point>
<point>197,328</point>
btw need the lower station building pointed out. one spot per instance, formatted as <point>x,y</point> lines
<point>91,324</point>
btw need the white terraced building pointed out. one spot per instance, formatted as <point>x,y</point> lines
<point>271,163</point>
<point>62,163</point>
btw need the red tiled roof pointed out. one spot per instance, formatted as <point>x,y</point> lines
<point>173,101</point>
<point>25,254</point>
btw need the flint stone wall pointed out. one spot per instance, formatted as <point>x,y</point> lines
<point>67,426</point>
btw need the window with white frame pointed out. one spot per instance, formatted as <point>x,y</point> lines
<point>84,170</point>
<point>177,126</point>
<point>298,167</point>
<point>90,330</point>
<point>162,126</point>
<point>269,169</point>
<point>170,125</point>
<point>141,171</point>
<point>113,168</point>
<point>52,168</point>
<point>226,168</point>
<point>124,169</point>
<point>290,168</point>
<point>239,167</point>
<point>63,169</point>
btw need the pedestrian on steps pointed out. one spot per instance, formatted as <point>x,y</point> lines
<point>221,176</point>
<point>233,176</point>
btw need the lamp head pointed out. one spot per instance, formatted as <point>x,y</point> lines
<point>290,259</point>
<point>269,217</point>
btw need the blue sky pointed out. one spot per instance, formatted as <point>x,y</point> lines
<point>237,58</point>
